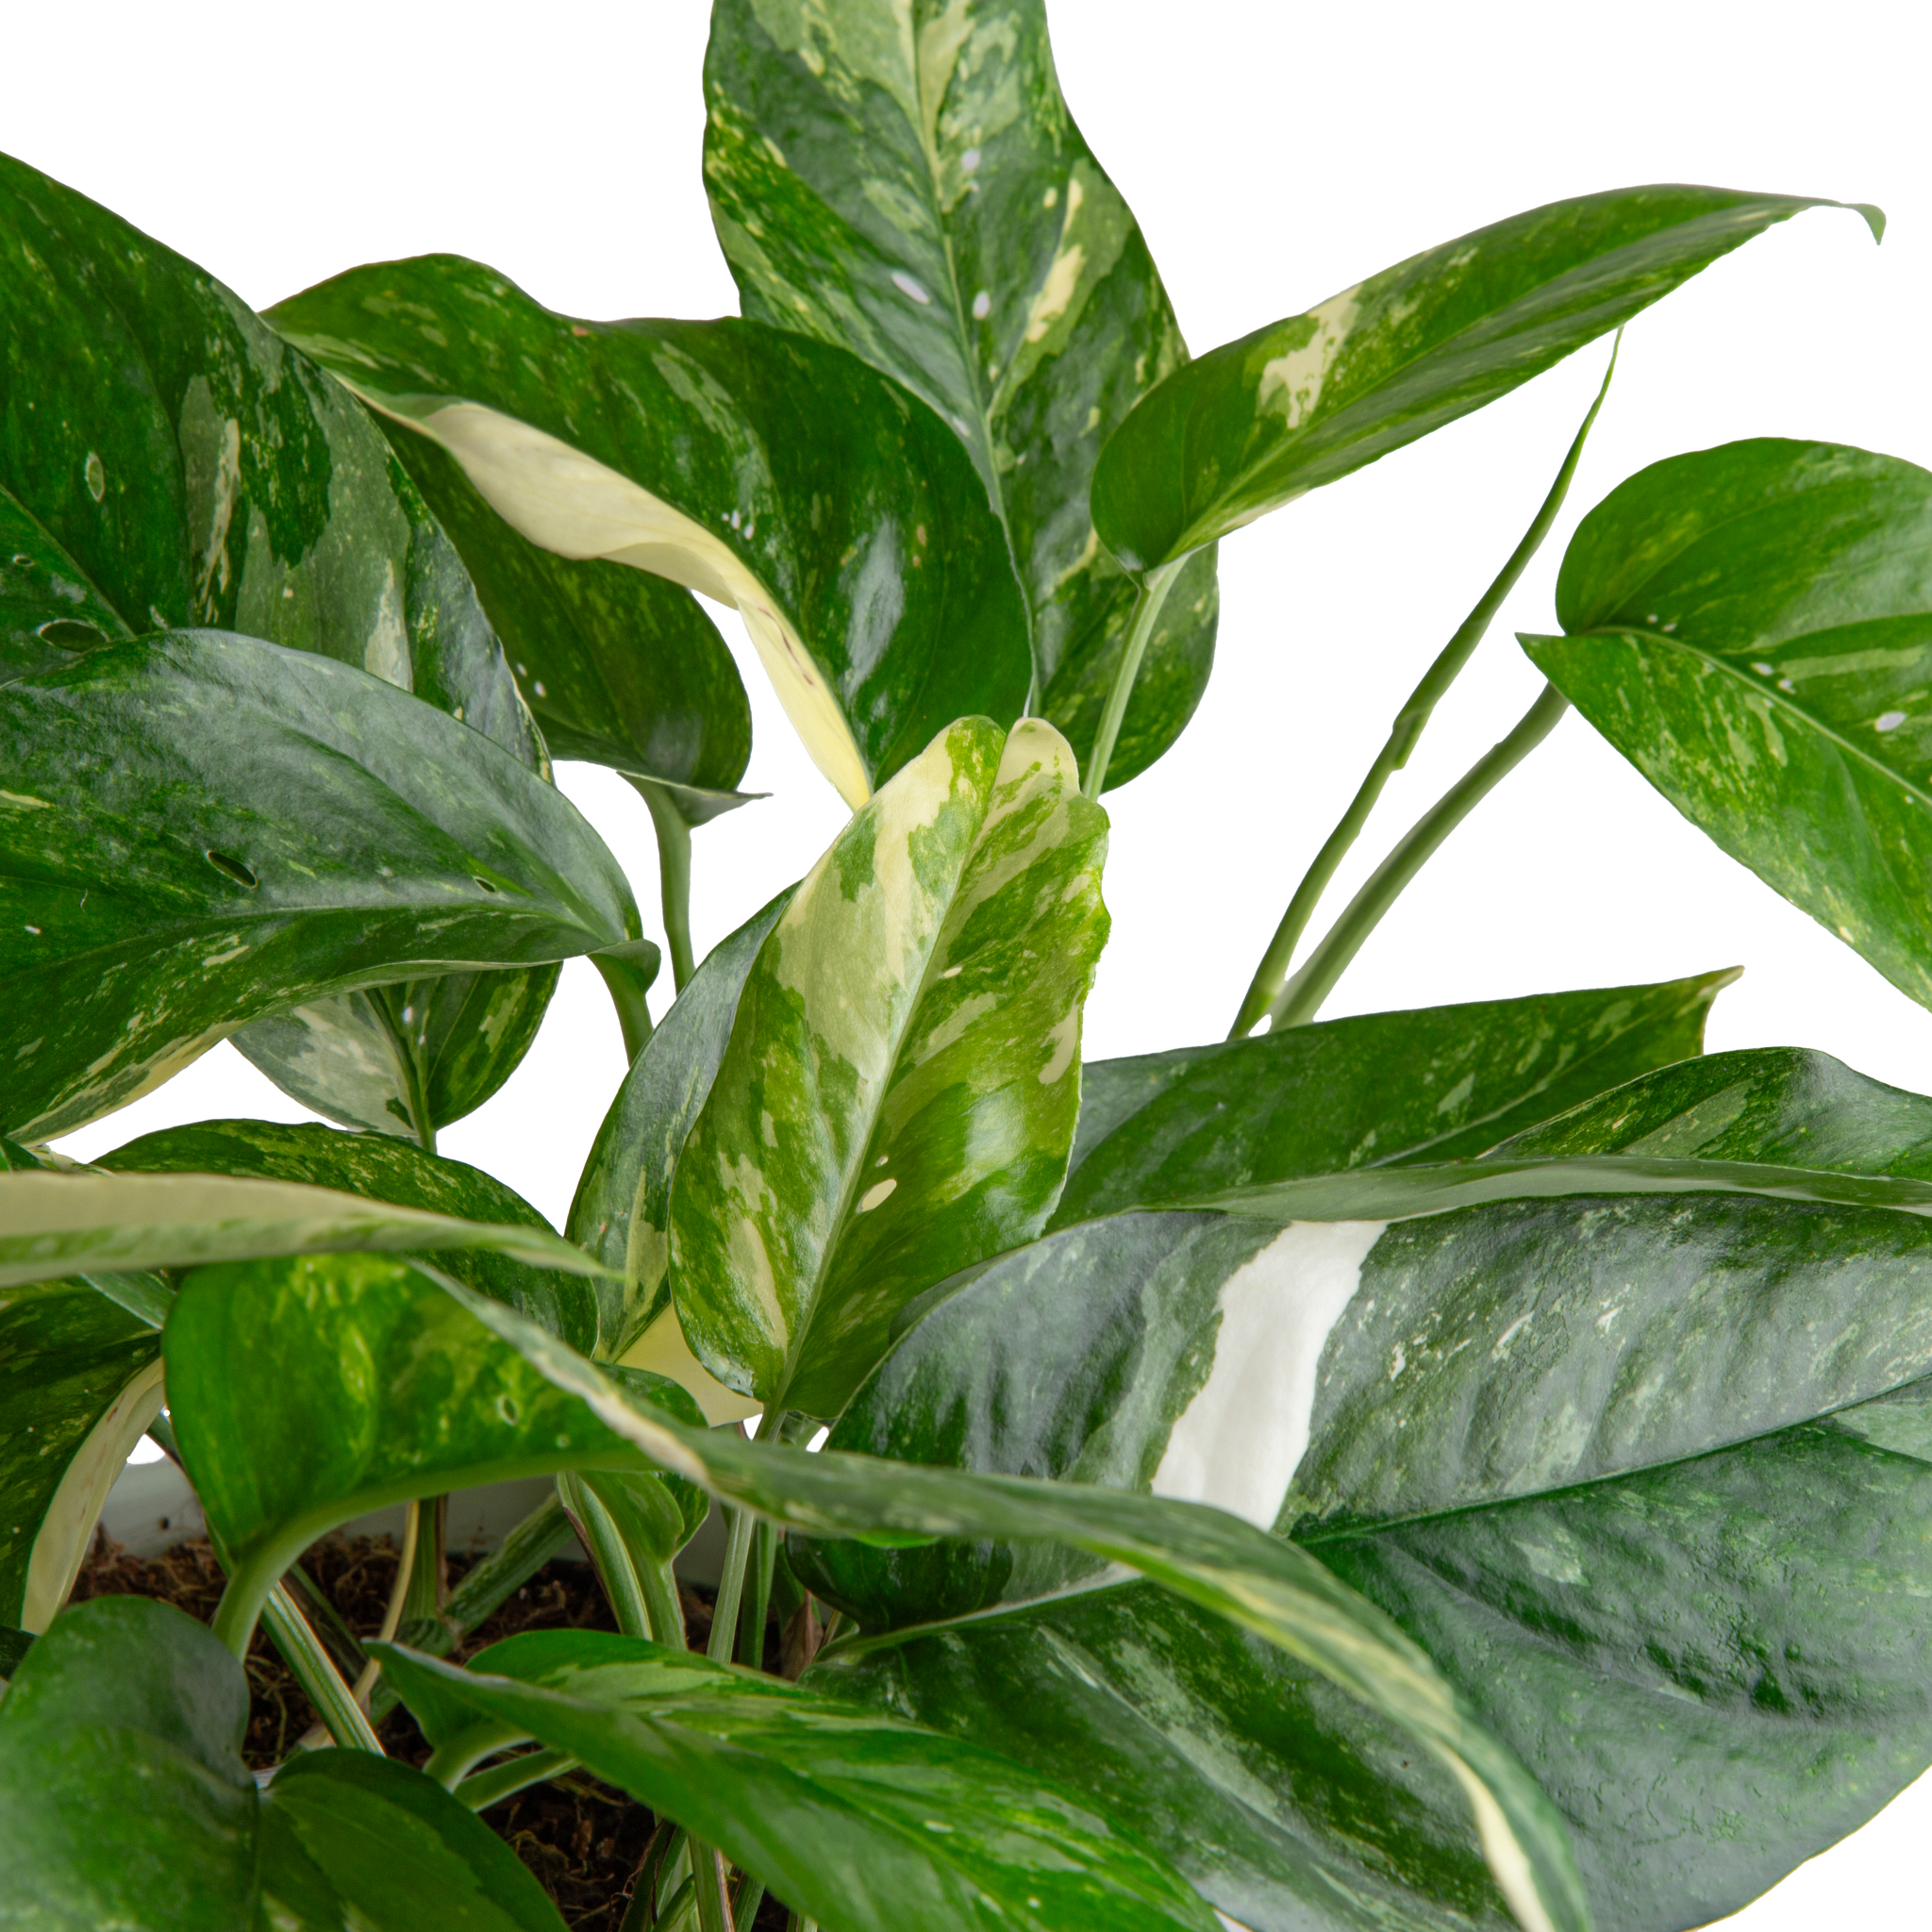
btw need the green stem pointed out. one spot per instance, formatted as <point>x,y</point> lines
<point>1148,599</point>
<point>342,1642</point>
<point>730,1587</point>
<point>1272,973</point>
<point>659,1583</point>
<point>751,1896</point>
<point>713,1885</point>
<point>627,983</point>
<point>605,1543</point>
<point>654,1870</point>
<point>758,1596</point>
<point>1301,998</point>
<point>484,1789</point>
<point>673,875</point>
<point>304,1654</point>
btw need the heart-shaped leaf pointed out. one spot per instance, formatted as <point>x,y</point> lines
<point>124,1802</point>
<point>1258,421</point>
<point>1638,1475</point>
<point>1372,1091</point>
<point>380,1169</point>
<point>901,1085</point>
<point>1752,628</point>
<point>222,828</point>
<point>856,1820</point>
<point>778,474</point>
<point>921,196</point>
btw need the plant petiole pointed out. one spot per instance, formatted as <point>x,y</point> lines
<point>1272,973</point>
<point>1148,599</point>
<point>605,1541</point>
<point>314,1670</point>
<point>483,1788</point>
<point>730,1587</point>
<point>673,875</point>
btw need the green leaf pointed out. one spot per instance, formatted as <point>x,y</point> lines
<point>80,1379</point>
<point>393,1171</point>
<point>771,473</point>
<point>920,195</point>
<point>860,1821</point>
<point>901,1085</point>
<point>310,1391</point>
<point>1379,1090</point>
<point>352,1843</point>
<point>622,1211</point>
<point>1270,1589</point>
<point>14,1645</point>
<point>123,1800</point>
<point>239,487</point>
<point>1258,421</point>
<point>54,1225</point>
<point>1752,628</point>
<point>1648,1478</point>
<point>151,911</point>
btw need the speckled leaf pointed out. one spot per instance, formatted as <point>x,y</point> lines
<point>901,1085</point>
<point>80,1378</point>
<point>220,829</point>
<point>862,1822</point>
<point>1639,1473</point>
<point>1258,421</point>
<point>622,1212</point>
<point>309,1390</point>
<point>1752,628</point>
<point>1270,1588</point>
<point>774,474</point>
<point>380,1169</point>
<point>200,471</point>
<point>909,185</point>
<point>1383,1088</point>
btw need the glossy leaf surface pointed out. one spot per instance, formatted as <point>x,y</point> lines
<point>622,1205</point>
<point>54,1225</point>
<point>1255,422</point>
<point>774,474</point>
<point>1752,628</point>
<point>917,193</point>
<point>1437,1084</point>
<point>392,1171</point>
<point>901,1084</point>
<point>309,1390</point>
<point>1270,1588</point>
<point>219,829</point>
<point>1648,1478</point>
<point>80,1381</point>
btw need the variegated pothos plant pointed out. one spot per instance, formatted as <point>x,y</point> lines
<point>1440,1469</point>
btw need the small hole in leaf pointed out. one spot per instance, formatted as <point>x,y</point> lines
<point>234,869</point>
<point>71,634</point>
<point>507,1409</point>
<point>483,882</point>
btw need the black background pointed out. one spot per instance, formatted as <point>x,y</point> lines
<point>1272,159</point>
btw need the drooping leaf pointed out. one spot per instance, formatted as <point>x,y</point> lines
<point>1258,421</point>
<point>56,1224</point>
<point>202,829</point>
<point>1752,628</point>
<point>862,1822</point>
<point>1270,1589</point>
<point>774,474</point>
<point>1437,1084</point>
<point>380,1169</point>
<point>622,1211</point>
<point>918,194</point>
<point>80,1379</point>
<point>901,1084</point>
<point>124,1802</point>
<point>310,1391</point>
<point>198,471</point>
<point>1638,1474</point>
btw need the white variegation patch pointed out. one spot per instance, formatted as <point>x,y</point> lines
<point>1291,383</point>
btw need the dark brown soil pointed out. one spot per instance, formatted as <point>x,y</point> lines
<point>583,1840</point>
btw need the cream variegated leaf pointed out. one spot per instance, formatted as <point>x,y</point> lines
<point>898,1096</point>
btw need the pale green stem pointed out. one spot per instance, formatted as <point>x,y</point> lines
<point>751,1896</point>
<point>605,1543</point>
<point>659,1584</point>
<point>1301,998</point>
<point>657,1876</point>
<point>484,1789</point>
<point>1272,973</point>
<point>673,875</point>
<point>730,1587</point>
<point>758,1596</point>
<point>1148,599</point>
<point>713,1876</point>
<point>316,1672</point>
<point>624,984</point>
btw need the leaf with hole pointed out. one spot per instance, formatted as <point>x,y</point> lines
<point>922,197</point>
<point>776,475</point>
<point>1257,423</point>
